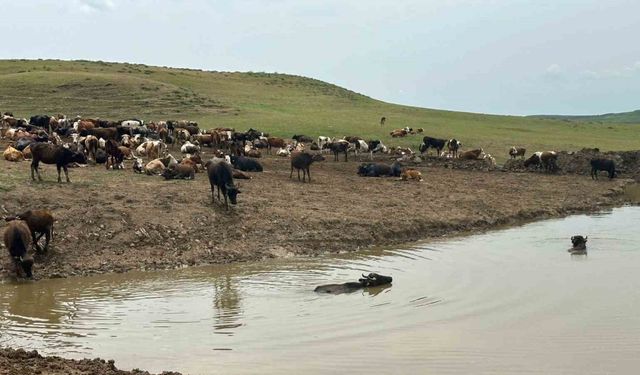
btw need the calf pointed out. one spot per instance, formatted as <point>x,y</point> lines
<point>246,164</point>
<point>302,161</point>
<point>115,154</point>
<point>221,176</point>
<point>517,151</point>
<point>11,154</point>
<point>602,165</point>
<point>274,142</point>
<point>453,145</point>
<point>398,133</point>
<point>16,240</point>
<point>410,174</point>
<point>40,223</point>
<point>52,154</point>
<point>154,167</point>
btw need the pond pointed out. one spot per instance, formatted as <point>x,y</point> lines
<point>509,301</point>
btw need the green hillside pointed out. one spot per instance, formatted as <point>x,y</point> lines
<point>632,117</point>
<point>278,103</point>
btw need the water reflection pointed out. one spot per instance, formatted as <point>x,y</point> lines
<point>226,305</point>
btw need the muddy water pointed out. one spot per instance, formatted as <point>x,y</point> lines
<point>510,301</point>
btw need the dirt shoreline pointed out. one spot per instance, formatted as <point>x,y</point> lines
<point>21,362</point>
<point>116,221</point>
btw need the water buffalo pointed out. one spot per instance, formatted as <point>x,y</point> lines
<point>370,280</point>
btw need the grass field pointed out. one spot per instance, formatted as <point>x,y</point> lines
<point>278,103</point>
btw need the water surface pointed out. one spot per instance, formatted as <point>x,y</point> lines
<point>510,301</point>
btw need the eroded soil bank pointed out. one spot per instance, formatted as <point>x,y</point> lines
<point>21,362</point>
<point>114,221</point>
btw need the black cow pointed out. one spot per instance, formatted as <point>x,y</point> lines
<point>429,142</point>
<point>302,161</point>
<point>302,138</point>
<point>602,165</point>
<point>22,143</point>
<point>337,148</point>
<point>374,170</point>
<point>40,121</point>
<point>54,154</point>
<point>245,164</point>
<point>370,280</point>
<point>221,176</point>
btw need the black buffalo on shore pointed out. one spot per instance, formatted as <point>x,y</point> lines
<point>602,165</point>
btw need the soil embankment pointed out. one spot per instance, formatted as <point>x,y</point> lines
<point>114,221</point>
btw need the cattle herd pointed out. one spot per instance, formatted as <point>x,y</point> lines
<point>76,142</point>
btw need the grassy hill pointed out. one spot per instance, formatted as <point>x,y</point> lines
<point>278,103</point>
<point>632,117</point>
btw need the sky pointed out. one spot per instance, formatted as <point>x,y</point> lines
<point>505,57</point>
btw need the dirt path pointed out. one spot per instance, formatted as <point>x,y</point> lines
<point>114,221</point>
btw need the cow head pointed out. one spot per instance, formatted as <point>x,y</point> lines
<point>26,265</point>
<point>374,279</point>
<point>232,192</point>
<point>579,241</point>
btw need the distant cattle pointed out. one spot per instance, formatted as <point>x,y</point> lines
<point>302,161</point>
<point>410,174</point>
<point>221,177</point>
<point>179,171</point>
<point>429,142</point>
<point>338,147</point>
<point>603,165</point>
<point>543,159</point>
<point>453,145</point>
<point>374,170</point>
<point>246,164</point>
<point>472,154</point>
<point>517,151</point>
<point>302,138</point>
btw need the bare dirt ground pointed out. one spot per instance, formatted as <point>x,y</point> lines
<point>21,362</point>
<point>114,221</point>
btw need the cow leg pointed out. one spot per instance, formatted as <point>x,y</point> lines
<point>47,239</point>
<point>58,167</point>
<point>302,175</point>
<point>309,174</point>
<point>34,166</point>
<point>594,175</point>
<point>35,241</point>
<point>291,174</point>
<point>66,173</point>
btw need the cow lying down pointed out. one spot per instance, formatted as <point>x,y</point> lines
<point>370,280</point>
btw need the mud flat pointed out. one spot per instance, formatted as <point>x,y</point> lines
<point>115,221</point>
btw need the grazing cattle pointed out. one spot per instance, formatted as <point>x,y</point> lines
<point>221,176</point>
<point>429,142</point>
<point>359,146</point>
<point>517,151</point>
<point>105,133</point>
<point>154,167</point>
<point>274,142</point>
<point>115,154</point>
<point>374,170</point>
<point>382,120</point>
<point>11,154</point>
<point>302,138</point>
<point>16,240</point>
<point>302,161</point>
<point>410,174</point>
<point>52,154</point>
<point>376,146</point>
<point>179,171</point>
<point>338,147</point>
<point>471,154</point>
<point>189,148</point>
<point>203,139</point>
<point>40,223</point>
<point>138,166</point>
<point>322,140</point>
<point>543,159</point>
<point>602,165</point>
<point>370,280</point>
<point>453,145</point>
<point>91,146</point>
<point>245,164</point>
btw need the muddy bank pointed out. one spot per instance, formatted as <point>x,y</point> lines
<point>114,221</point>
<point>21,362</point>
<point>578,162</point>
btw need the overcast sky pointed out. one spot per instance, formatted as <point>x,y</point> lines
<point>506,57</point>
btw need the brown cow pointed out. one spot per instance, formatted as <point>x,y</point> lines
<point>471,154</point>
